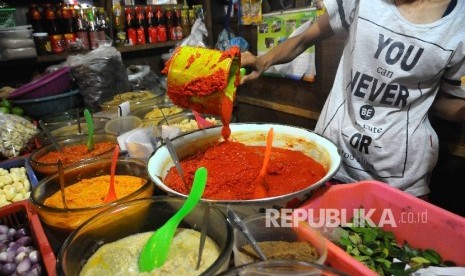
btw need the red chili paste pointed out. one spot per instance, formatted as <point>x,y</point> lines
<point>74,153</point>
<point>233,167</point>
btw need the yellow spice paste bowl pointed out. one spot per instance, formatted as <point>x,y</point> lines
<point>62,221</point>
<point>86,248</point>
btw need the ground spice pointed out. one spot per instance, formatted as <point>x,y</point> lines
<point>92,191</point>
<point>74,153</point>
<point>233,167</point>
<point>282,250</point>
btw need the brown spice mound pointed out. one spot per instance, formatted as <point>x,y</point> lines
<point>281,250</point>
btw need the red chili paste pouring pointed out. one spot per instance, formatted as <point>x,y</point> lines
<point>204,80</point>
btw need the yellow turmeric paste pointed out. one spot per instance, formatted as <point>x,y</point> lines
<point>91,192</point>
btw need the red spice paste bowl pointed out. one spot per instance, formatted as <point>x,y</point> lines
<point>287,137</point>
<point>47,168</point>
<point>63,221</point>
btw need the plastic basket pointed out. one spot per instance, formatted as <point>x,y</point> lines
<point>20,214</point>
<point>418,222</point>
<point>7,18</point>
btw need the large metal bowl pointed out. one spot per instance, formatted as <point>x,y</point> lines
<point>285,136</point>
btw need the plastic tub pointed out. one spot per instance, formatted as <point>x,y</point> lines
<point>51,84</point>
<point>122,124</point>
<point>18,215</point>
<point>27,52</point>
<point>24,31</point>
<point>140,216</point>
<point>282,268</point>
<point>418,222</point>
<point>39,107</point>
<point>138,143</point>
<point>60,221</point>
<point>277,231</point>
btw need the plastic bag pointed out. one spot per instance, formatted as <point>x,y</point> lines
<point>196,37</point>
<point>99,74</point>
<point>142,78</point>
<point>16,135</point>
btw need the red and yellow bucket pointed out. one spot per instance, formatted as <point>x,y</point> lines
<point>203,79</point>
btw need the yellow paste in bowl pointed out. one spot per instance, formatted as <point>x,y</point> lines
<point>121,257</point>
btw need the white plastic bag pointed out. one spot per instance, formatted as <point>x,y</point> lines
<point>16,135</point>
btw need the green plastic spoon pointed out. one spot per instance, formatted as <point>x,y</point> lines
<point>90,129</point>
<point>155,251</point>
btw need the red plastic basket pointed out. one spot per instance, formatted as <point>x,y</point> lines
<point>20,214</point>
<point>438,229</point>
<point>51,84</point>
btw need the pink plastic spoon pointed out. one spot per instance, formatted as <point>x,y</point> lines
<point>201,122</point>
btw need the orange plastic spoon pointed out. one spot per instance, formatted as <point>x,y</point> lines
<point>260,191</point>
<point>111,196</point>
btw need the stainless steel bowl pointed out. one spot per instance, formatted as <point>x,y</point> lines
<point>311,144</point>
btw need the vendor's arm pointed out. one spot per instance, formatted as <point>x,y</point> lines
<point>449,107</point>
<point>288,50</point>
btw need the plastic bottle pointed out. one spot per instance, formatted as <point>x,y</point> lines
<point>81,29</point>
<point>161,27</point>
<point>151,25</point>
<point>102,24</point>
<point>130,28</point>
<point>140,26</point>
<point>92,29</point>
<point>192,17</point>
<point>178,35</point>
<point>118,24</point>
<point>56,38</point>
<point>170,28</point>
<point>185,24</point>
<point>69,31</point>
<point>35,18</point>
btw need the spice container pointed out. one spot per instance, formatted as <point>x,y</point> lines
<point>278,240</point>
<point>85,187</point>
<point>42,43</point>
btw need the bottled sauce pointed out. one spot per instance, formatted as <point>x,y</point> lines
<point>185,23</point>
<point>178,35</point>
<point>42,43</point>
<point>92,29</point>
<point>118,24</point>
<point>69,31</point>
<point>102,24</point>
<point>170,28</point>
<point>161,27</point>
<point>192,17</point>
<point>151,25</point>
<point>59,17</point>
<point>131,32</point>
<point>51,27</point>
<point>35,18</point>
<point>81,29</point>
<point>140,25</point>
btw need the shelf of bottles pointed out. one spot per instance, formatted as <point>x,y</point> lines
<point>62,29</point>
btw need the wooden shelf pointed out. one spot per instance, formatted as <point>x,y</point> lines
<point>60,57</point>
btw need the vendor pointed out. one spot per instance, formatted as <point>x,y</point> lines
<point>402,59</point>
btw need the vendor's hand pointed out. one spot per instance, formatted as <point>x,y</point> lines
<point>250,60</point>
